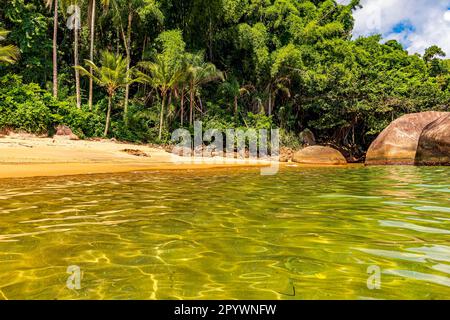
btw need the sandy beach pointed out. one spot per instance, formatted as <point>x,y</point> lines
<point>24,155</point>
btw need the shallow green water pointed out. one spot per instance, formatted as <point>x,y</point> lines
<point>306,233</point>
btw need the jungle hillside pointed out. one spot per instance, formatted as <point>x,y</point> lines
<point>136,70</point>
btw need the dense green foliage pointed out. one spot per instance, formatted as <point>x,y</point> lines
<point>285,63</point>
<point>29,108</point>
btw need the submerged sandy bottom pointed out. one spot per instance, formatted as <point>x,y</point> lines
<point>305,233</point>
<point>30,156</point>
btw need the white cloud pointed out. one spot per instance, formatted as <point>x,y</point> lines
<point>425,22</point>
<point>447,16</point>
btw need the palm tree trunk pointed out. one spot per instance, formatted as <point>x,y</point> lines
<point>76,63</point>
<point>144,46</point>
<point>201,106</point>
<point>118,42</point>
<point>210,38</point>
<point>108,115</point>
<point>270,103</point>
<point>91,53</point>
<point>55,50</point>
<point>182,105</point>
<point>169,101</point>
<point>191,103</point>
<point>128,51</point>
<point>161,119</point>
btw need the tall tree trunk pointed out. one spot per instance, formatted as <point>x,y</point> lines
<point>76,63</point>
<point>118,42</point>
<point>144,46</point>
<point>55,50</point>
<point>161,119</point>
<point>201,106</point>
<point>108,115</point>
<point>235,105</point>
<point>210,38</point>
<point>169,102</point>
<point>270,102</point>
<point>91,52</point>
<point>191,103</point>
<point>128,52</point>
<point>182,105</point>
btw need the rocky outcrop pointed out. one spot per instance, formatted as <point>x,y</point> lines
<point>397,144</point>
<point>307,138</point>
<point>65,132</point>
<point>434,143</point>
<point>319,155</point>
<point>286,154</point>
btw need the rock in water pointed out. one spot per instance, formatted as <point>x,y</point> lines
<point>319,155</point>
<point>434,143</point>
<point>397,144</point>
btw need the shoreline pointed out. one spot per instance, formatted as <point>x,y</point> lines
<point>27,156</point>
<point>39,170</point>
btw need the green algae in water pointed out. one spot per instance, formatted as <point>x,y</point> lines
<point>305,233</point>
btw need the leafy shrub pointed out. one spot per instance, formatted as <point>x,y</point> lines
<point>141,126</point>
<point>22,106</point>
<point>258,121</point>
<point>290,139</point>
<point>82,122</point>
<point>29,108</point>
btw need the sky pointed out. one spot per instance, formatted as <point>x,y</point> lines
<point>416,24</point>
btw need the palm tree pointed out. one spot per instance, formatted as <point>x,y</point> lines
<point>73,8</point>
<point>183,84</point>
<point>131,8</point>
<point>54,4</point>
<point>161,77</point>
<point>276,85</point>
<point>181,89</point>
<point>126,35</point>
<point>8,54</point>
<point>199,73</point>
<point>232,88</point>
<point>91,18</point>
<point>112,75</point>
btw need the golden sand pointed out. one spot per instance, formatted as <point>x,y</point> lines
<point>30,156</point>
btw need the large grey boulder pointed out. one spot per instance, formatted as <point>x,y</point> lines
<point>434,143</point>
<point>397,144</point>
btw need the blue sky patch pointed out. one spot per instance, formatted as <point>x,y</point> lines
<point>403,26</point>
<point>416,24</point>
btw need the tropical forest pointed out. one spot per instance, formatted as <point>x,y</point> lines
<point>136,70</point>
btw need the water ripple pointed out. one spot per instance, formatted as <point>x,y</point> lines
<point>306,233</point>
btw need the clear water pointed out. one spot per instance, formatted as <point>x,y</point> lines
<point>306,233</point>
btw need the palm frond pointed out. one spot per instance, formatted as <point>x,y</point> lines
<point>112,74</point>
<point>3,34</point>
<point>8,54</point>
